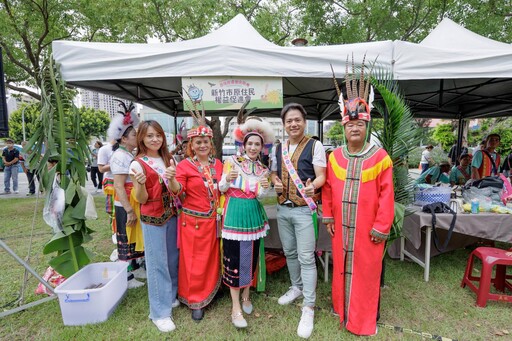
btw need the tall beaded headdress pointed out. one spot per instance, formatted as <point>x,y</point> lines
<point>357,106</point>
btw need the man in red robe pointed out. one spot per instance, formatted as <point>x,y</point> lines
<point>358,210</point>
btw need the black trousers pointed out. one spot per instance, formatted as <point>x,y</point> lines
<point>96,174</point>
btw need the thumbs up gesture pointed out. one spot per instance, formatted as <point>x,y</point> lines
<point>310,188</point>
<point>278,185</point>
<point>170,172</point>
<point>139,177</point>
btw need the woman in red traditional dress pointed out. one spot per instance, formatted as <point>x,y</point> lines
<point>199,265</point>
<point>358,210</point>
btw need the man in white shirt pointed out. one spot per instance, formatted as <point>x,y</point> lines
<point>294,217</point>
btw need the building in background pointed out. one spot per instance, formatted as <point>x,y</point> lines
<point>99,101</point>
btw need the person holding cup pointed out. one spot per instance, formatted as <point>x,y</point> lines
<point>244,180</point>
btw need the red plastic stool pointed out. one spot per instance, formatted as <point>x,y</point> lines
<point>490,257</point>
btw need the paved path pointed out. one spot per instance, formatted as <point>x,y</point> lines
<point>23,187</point>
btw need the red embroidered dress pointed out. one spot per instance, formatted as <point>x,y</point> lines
<point>358,195</point>
<point>199,268</point>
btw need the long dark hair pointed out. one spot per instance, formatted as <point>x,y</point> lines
<point>141,147</point>
<point>125,134</point>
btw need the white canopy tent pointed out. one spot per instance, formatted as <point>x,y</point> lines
<point>150,74</point>
<point>453,73</point>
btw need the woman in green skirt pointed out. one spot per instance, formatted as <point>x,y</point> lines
<point>244,180</point>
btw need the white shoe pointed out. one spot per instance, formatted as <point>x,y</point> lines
<point>133,283</point>
<point>290,296</point>
<point>16,192</point>
<point>165,325</point>
<point>140,273</point>
<point>306,323</point>
<point>176,303</point>
<point>238,320</point>
<point>114,256</point>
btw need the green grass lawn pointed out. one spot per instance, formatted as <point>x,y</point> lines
<point>438,307</point>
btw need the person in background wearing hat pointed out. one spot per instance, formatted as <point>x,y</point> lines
<point>460,174</point>
<point>130,245</point>
<point>199,230</point>
<point>244,180</point>
<point>426,160</point>
<point>10,157</point>
<point>438,173</point>
<point>358,210</point>
<point>158,219</point>
<point>486,161</point>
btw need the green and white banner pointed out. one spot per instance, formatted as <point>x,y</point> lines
<point>230,93</point>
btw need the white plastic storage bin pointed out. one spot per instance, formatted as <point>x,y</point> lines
<point>80,306</point>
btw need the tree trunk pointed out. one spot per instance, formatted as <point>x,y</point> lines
<point>218,134</point>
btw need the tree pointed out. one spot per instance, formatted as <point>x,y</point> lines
<point>94,122</point>
<point>335,134</point>
<point>352,21</point>
<point>444,135</point>
<point>31,113</point>
<point>29,27</point>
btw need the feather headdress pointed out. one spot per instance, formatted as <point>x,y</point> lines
<point>356,106</point>
<point>200,128</point>
<point>120,123</point>
<point>252,125</point>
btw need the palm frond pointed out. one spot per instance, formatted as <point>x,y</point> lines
<point>60,139</point>
<point>399,137</point>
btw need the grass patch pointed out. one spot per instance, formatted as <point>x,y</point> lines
<point>438,307</point>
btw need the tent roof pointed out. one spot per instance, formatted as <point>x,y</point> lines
<point>453,71</point>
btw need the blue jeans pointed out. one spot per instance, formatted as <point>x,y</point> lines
<point>11,171</point>
<point>297,235</point>
<point>161,252</point>
<point>424,167</point>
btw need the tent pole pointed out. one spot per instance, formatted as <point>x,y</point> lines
<point>460,134</point>
<point>175,127</point>
<point>321,130</point>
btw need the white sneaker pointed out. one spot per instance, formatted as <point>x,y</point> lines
<point>165,325</point>
<point>140,273</point>
<point>306,323</point>
<point>176,303</point>
<point>133,283</point>
<point>114,256</point>
<point>16,192</point>
<point>290,296</point>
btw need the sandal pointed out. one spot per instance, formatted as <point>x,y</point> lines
<point>247,308</point>
<point>238,320</point>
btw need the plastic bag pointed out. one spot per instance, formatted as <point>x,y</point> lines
<point>54,206</point>
<point>506,193</point>
<point>53,278</point>
<point>486,197</point>
<point>90,207</point>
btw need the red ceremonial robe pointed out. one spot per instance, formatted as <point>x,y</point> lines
<point>199,265</point>
<point>358,195</point>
